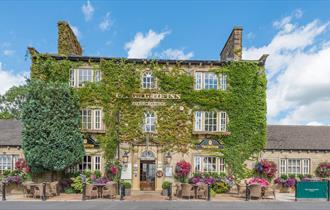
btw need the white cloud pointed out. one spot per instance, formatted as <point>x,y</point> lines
<point>298,72</point>
<point>176,54</point>
<point>88,10</point>
<point>106,22</point>
<point>9,79</point>
<point>142,45</point>
<point>314,123</point>
<point>8,52</point>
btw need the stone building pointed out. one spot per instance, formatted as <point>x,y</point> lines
<point>160,123</point>
<point>297,149</point>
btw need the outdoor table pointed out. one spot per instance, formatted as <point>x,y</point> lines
<point>99,188</point>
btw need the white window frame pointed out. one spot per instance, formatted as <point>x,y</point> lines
<point>148,80</point>
<point>295,166</point>
<point>210,121</point>
<point>149,122</point>
<point>7,162</point>
<point>97,163</point>
<point>200,165</point>
<point>198,81</point>
<point>202,81</point>
<point>223,81</point>
<point>198,121</point>
<point>211,81</point>
<point>86,164</point>
<point>79,76</point>
<point>202,124</point>
<point>95,117</point>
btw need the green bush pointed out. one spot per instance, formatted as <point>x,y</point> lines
<point>292,176</point>
<point>220,187</point>
<point>69,190</point>
<point>166,185</point>
<point>213,193</point>
<point>98,174</point>
<point>127,185</point>
<point>77,184</point>
<point>284,177</point>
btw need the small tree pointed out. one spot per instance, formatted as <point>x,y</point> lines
<point>51,136</point>
<point>11,102</point>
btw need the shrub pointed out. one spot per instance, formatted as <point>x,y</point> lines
<point>221,187</point>
<point>69,190</point>
<point>77,184</point>
<point>166,185</point>
<point>287,182</point>
<point>292,176</point>
<point>127,185</point>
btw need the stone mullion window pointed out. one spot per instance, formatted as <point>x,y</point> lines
<point>79,76</point>
<point>208,164</point>
<point>294,166</point>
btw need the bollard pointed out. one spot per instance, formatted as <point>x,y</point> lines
<point>43,197</point>
<point>122,194</point>
<point>169,192</point>
<point>295,191</point>
<point>247,192</point>
<point>3,191</point>
<point>208,192</point>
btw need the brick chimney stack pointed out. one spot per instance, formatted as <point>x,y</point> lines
<point>233,47</point>
<point>67,43</point>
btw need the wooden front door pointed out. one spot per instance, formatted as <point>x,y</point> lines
<point>147,175</point>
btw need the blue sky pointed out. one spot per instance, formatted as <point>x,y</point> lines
<point>292,32</point>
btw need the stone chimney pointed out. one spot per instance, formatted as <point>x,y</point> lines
<point>67,43</point>
<point>233,47</point>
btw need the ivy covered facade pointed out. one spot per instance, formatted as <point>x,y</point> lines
<point>150,114</point>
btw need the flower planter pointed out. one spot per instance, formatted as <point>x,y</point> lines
<point>284,189</point>
<point>128,192</point>
<point>164,192</point>
<point>13,188</point>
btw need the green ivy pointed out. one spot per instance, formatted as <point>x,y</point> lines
<point>244,101</point>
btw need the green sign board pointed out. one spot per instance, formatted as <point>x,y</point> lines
<point>312,189</point>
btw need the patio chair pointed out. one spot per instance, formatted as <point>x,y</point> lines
<point>54,188</point>
<point>109,190</point>
<point>255,191</point>
<point>27,190</point>
<point>268,191</point>
<point>202,191</point>
<point>187,190</point>
<point>37,191</point>
<point>178,190</point>
<point>91,191</point>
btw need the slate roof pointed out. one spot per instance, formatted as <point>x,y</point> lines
<point>298,137</point>
<point>10,133</point>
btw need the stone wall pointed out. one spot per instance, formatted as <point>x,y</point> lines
<point>315,157</point>
<point>233,47</point>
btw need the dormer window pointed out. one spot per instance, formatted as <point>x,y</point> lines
<point>148,81</point>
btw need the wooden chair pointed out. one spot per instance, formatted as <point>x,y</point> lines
<point>37,191</point>
<point>91,191</point>
<point>109,190</point>
<point>54,188</point>
<point>268,191</point>
<point>187,190</point>
<point>202,191</point>
<point>255,191</point>
<point>27,190</point>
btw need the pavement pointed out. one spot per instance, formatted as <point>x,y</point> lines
<point>163,205</point>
